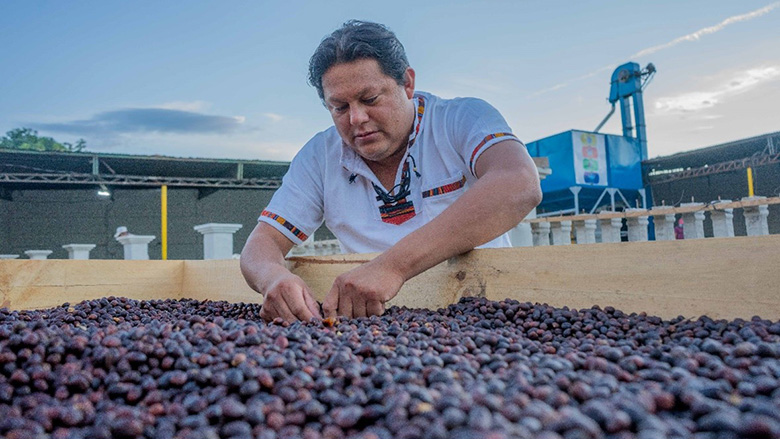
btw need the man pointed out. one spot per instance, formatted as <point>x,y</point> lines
<point>411,175</point>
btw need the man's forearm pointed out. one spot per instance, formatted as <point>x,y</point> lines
<point>496,203</point>
<point>262,259</point>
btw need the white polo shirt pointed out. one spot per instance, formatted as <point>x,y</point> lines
<point>327,181</point>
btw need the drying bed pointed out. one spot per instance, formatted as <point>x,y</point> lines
<point>116,367</point>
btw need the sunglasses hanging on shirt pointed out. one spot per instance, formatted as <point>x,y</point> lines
<point>402,187</point>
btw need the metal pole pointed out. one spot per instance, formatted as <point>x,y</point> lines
<point>164,217</point>
<point>751,193</point>
<point>625,114</point>
<point>639,121</point>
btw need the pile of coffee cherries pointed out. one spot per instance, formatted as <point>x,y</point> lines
<point>121,368</point>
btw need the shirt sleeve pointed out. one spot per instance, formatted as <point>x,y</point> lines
<point>296,208</point>
<point>475,126</point>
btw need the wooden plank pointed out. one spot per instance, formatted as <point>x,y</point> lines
<point>747,203</point>
<point>33,284</point>
<point>718,277</point>
<point>435,288</point>
<point>217,280</point>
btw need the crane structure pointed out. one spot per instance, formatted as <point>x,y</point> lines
<point>628,82</point>
<point>588,165</point>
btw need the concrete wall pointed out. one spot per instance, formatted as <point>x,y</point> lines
<point>48,219</point>
<point>4,212</point>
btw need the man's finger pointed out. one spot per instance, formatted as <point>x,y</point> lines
<point>279,307</point>
<point>331,303</point>
<point>296,303</point>
<point>269,311</point>
<point>375,308</point>
<point>345,307</point>
<point>265,312</point>
<point>314,308</point>
<point>358,307</point>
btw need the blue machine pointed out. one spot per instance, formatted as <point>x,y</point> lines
<point>591,170</point>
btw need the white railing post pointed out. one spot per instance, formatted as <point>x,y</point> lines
<point>722,221</point>
<point>693,222</point>
<point>756,218</point>
<point>637,226</point>
<point>664,227</point>
<point>585,231</point>
<point>561,232</point>
<point>541,231</point>
<point>610,229</point>
<point>522,234</point>
<point>217,239</point>
<point>78,251</point>
<point>136,246</point>
<point>38,254</point>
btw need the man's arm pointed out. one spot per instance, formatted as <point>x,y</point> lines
<point>262,264</point>
<point>507,189</point>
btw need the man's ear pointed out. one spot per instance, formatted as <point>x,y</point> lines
<point>409,82</point>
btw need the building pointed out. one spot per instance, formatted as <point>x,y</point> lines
<point>50,199</point>
<point>720,171</point>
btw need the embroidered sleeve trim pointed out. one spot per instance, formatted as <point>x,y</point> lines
<point>447,188</point>
<point>482,143</point>
<point>286,224</point>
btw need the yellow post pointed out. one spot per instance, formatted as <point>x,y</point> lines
<point>750,182</point>
<point>164,225</point>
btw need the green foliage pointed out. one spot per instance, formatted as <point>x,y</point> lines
<point>26,138</point>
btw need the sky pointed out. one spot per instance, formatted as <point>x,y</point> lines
<point>227,79</point>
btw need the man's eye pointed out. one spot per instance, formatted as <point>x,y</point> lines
<point>370,100</point>
<point>340,109</point>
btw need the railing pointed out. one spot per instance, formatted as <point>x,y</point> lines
<point>311,247</point>
<point>557,230</point>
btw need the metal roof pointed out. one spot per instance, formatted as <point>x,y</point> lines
<point>710,155</point>
<point>24,169</point>
<point>726,157</point>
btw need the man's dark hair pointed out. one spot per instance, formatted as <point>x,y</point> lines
<point>356,40</point>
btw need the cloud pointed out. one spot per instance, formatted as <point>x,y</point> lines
<point>185,105</point>
<point>242,145</point>
<point>274,117</point>
<point>567,83</point>
<point>695,36</point>
<point>740,82</point>
<point>160,120</point>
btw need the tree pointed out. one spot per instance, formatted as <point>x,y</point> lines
<point>27,138</point>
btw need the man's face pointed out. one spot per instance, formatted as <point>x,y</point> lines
<point>372,113</point>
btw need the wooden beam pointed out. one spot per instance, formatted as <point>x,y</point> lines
<point>34,284</point>
<point>216,280</point>
<point>717,277</point>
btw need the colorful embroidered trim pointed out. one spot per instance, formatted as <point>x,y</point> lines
<point>482,143</point>
<point>447,188</point>
<point>398,213</point>
<point>420,111</point>
<point>287,225</point>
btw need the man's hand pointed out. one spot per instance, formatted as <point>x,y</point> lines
<point>262,264</point>
<point>289,298</point>
<point>362,291</point>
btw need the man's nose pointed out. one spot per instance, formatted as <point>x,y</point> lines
<point>357,114</point>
